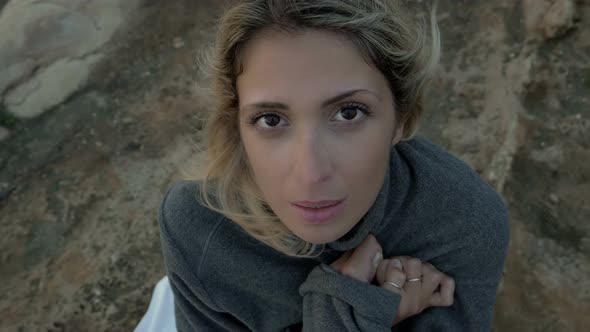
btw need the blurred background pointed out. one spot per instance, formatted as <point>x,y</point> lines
<point>100,106</point>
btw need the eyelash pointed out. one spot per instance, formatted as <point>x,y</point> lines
<point>363,108</point>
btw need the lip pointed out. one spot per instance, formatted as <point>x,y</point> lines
<point>319,215</point>
<point>316,204</point>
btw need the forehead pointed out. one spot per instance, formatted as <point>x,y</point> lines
<point>312,62</point>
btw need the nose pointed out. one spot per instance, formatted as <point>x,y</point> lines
<point>311,159</point>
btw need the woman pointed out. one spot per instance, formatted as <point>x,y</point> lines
<point>313,176</point>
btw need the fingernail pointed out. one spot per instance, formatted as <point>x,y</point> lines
<point>377,259</point>
<point>396,263</point>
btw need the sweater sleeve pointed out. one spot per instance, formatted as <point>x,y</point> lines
<point>335,302</point>
<point>194,310</point>
<point>477,270</point>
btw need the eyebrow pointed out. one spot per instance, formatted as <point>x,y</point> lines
<point>328,102</point>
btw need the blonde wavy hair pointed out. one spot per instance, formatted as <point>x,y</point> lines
<point>395,40</point>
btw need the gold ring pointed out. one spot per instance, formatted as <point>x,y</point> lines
<point>414,279</point>
<point>393,284</point>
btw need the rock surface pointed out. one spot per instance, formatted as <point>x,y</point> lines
<point>38,39</point>
<point>549,18</point>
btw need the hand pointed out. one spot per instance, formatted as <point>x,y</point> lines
<point>360,263</point>
<point>433,289</point>
<point>365,262</point>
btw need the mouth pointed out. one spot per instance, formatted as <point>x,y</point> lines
<point>319,211</point>
<point>317,204</point>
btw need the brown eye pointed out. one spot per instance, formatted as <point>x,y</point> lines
<point>271,120</point>
<point>352,113</point>
<point>349,113</point>
<point>266,120</point>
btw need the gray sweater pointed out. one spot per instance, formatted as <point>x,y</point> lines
<point>431,206</point>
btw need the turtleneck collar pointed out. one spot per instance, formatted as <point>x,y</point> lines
<point>391,195</point>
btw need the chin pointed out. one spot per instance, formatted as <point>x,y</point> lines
<point>316,236</point>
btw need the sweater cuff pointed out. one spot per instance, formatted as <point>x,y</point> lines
<point>375,303</point>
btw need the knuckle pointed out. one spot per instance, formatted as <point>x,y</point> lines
<point>392,266</point>
<point>451,281</point>
<point>436,276</point>
<point>395,274</point>
<point>449,301</point>
<point>414,262</point>
<point>448,279</point>
<point>427,267</point>
<point>391,269</point>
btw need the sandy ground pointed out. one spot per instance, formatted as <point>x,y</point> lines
<point>80,185</point>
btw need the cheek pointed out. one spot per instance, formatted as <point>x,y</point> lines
<point>365,165</point>
<point>265,161</point>
<point>352,156</point>
<point>366,150</point>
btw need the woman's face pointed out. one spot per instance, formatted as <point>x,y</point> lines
<point>317,123</point>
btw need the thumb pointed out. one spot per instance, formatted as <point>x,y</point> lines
<point>365,259</point>
<point>339,263</point>
<point>376,261</point>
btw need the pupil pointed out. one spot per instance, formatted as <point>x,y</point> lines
<point>349,113</point>
<point>272,120</point>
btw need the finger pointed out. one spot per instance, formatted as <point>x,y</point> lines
<point>412,266</point>
<point>381,274</point>
<point>374,265</point>
<point>360,264</point>
<point>413,289</point>
<point>395,278</point>
<point>337,264</point>
<point>447,289</point>
<point>431,278</point>
<point>444,297</point>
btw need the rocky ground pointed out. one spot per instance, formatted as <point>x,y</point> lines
<point>80,184</point>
